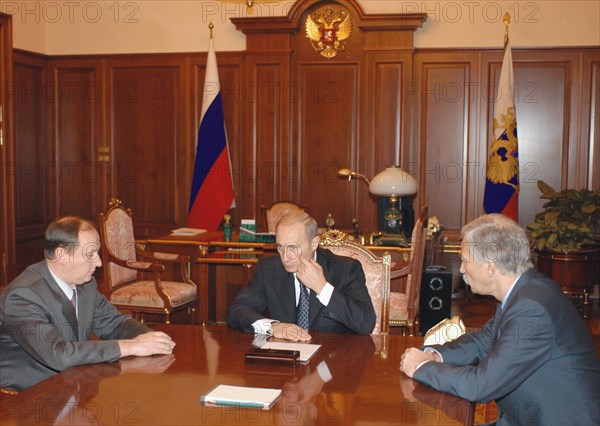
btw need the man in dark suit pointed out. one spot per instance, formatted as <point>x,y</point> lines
<point>49,313</point>
<point>334,287</point>
<point>535,357</point>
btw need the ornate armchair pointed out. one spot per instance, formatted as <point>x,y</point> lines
<point>376,269</point>
<point>404,307</point>
<point>273,214</point>
<point>137,285</point>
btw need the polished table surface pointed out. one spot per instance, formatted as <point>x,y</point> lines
<point>366,386</point>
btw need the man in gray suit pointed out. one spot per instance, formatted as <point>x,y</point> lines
<point>49,313</point>
<point>535,357</point>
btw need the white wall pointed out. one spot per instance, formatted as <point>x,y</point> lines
<point>120,26</point>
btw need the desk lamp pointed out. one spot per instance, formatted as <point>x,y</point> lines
<point>394,189</point>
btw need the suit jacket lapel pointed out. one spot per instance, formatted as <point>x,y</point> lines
<point>286,294</point>
<point>315,306</point>
<point>68,311</point>
<point>523,279</point>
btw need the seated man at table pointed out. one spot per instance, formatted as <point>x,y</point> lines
<point>535,357</point>
<point>304,288</point>
<point>49,313</point>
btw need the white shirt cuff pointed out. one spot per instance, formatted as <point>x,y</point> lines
<point>429,349</point>
<point>263,326</point>
<point>325,295</point>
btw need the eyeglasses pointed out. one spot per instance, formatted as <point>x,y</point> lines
<point>291,251</point>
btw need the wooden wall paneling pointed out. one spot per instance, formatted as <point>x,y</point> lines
<point>590,123</point>
<point>326,120</point>
<point>268,171</point>
<point>444,131</point>
<point>233,93</point>
<point>265,148</point>
<point>545,95</point>
<point>340,123</point>
<point>8,245</point>
<point>34,166</point>
<point>148,154</point>
<point>385,133</point>
<point>78,172</point>
<point>326,139</point>
<point>265,157</point>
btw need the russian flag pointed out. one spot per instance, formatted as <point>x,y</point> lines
<point>212,185</point>
<point>502,171</point>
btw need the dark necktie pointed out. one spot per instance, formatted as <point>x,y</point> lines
<point>74,301</point>
<point>302,313</point>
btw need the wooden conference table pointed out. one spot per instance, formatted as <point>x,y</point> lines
<point>366,386</point>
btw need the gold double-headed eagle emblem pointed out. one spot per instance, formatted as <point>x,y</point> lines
<point>327,28</point>
<point>502,165</point>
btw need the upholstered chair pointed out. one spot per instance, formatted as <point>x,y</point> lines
<point>273,214</point>
<point>135,279</point>
<point>404,306</point>
<point>376,269</point>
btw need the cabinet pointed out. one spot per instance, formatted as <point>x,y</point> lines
<point>7,229</point>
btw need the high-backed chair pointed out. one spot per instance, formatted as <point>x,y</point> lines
<point>404,306</point>
<point>376,269</point>
<point>134,277</point>
<point>273,214</point>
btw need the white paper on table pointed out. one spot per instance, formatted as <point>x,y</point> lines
<point>307,350</point>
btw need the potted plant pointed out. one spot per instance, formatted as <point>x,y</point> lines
<point>563,237</point>
<point>569,220</point>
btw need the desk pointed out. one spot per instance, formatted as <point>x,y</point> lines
<point>207,251</point>
<point>366,387</point>
<point>217,286</point>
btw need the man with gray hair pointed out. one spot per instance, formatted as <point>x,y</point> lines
<point>304,288</point>
<point>535,357</point>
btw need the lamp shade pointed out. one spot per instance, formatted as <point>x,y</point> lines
<point>393,181</point>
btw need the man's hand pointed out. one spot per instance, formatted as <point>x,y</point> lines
<point>412,357</point>
<point>282,330</point>
<point>151,343</point>
<point>310,273</point>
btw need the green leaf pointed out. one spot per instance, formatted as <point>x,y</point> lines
<point>545,188</point>
<point>589,208</point>
<point>541,244</point>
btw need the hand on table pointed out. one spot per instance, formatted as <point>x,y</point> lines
<point>412,357</point>
<point>151,343</point>
<point>287,331</point>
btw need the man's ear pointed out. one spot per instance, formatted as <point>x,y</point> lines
<point>315,243</point>
<point>491,268</point>
<point>60,255</point>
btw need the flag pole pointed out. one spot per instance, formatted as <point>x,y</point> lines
<point>506,20</point>
<point>502,171</point>
<point>211,194</point>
